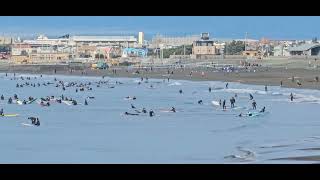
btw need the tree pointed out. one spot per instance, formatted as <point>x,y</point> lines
<point>235,48</point>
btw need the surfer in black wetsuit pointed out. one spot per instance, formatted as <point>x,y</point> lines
<point>209,89</point>
<point>173,109</point>
<point>144,110</point>
<point>15,96</point>
<point>132,106</point>
<point>74,102</point>
<point>200,102</point>
<point>291,97</point>
<point>151,113</point>
<point>263,109</point>
<point>224,104</point>
<point>227,85</point>
<point>2,97</point>
<point>85,102</point>
<point>37,122</point>
<point>126,113</point>
<point>220,102</point>
<point>180,91</point>
<point>1,112</point>
<point>254,105</point>
<point>251,97</point>
<point>265,88</point>
<point>10,100</point>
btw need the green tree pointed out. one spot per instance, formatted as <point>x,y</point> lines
<point>235,48</point>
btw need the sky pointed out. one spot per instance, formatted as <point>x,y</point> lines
<point>272,27</point>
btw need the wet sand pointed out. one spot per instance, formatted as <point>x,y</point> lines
<point>257,75</point>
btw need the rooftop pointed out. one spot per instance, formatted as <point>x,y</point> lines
<point>104,38</point>
<point>304,47</point>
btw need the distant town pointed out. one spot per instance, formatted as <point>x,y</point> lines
<point>117,50</point>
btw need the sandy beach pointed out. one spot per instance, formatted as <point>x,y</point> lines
<point>270,76</point>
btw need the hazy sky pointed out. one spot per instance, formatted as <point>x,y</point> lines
<point>274,27</point>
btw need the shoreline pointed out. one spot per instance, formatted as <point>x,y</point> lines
<point>258,76</point>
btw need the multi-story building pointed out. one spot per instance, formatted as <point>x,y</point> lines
<point>204,48</point>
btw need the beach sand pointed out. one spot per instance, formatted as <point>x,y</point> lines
<point>257,75</point>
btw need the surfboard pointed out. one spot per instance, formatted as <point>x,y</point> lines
<point>29,102</point>
<point>215,103</point>
<point>10,115</point>
<point>26,124</point>
<point>69,103</point>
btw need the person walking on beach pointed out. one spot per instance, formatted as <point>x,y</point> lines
<point>254,105</point>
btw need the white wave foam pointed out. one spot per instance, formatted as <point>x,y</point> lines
<point>175,84</point>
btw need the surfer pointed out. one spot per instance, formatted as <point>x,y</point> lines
<point>251,97</point>
<point>1,112</point>
<point>2,97</point>
<point>126,113</point>
<point>220,102</point>
<point>15,96</point>
<point>224,104</point>
<point>144,110</point>
<point>132,106</point>
<point>85,102</point>
<point>200,102</point>
<point>254,105</point>
<point>151,113</point>
<point>227,85</point>
<point>10,100</point>
<point>265,88</point>
<point>180,91</point>
<point>291,97</point>
<point>263,109</point>
<point>74,102</point>
<point>236,95</point>
<point>173,109</point>
<point>209,89</point>
<point>232,101</point>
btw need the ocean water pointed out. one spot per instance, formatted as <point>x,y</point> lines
<point>101,133</point>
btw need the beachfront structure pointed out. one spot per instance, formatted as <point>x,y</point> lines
<point>141,38</point>
<point>204,48</point>
<point>21,49</point>
<point>48,57</point>
<point>281,50</point>
<point>6,40</point>
<point>169,41</point>
<point>311,49</point>
<point>43,40</point>
<point>124,41</point>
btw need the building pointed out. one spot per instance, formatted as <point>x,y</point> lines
<point>124,41</point>
<point>6,40</point>
<point>250,53</point>
<point>203,48</point>
<point>141,38</point>
<point>165,41</point>
<point>43,40</point>
<point>46,57</point>
<point>281,50</point>
<point>21,49</point>
<point>19,59</point>
<point>312,49</point>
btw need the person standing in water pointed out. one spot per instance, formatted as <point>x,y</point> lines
<point>254,105</point>
<point>224,104</point>
<point>1,112</point>
<point>180,91</point>
<point>209,89</point>
<point>280,83</point>
<point>2,97</point>
<point>265,88</point>
<point>151,113</point>
<point>291,97</point>
<point>227,85</point>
